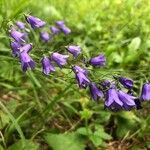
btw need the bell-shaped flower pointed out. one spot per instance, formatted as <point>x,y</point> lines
<point>20,25</point>
<point>60,23</point>
<point>112,100</point>
<point>77,69</point>
<point>82,80</point>
<point>95,92</point>
<point>54,30</point>
<point>15,46</point>
<point>127,83</point>
<point>106,83</point>
<point>66,30</point>
<point>128,100</point>
<point>35,22</point>
<point>74,50</point>
<point>26,48</point>
<point>60,59</point>
<point>145,93</point>
<point>18,36</point>
<point>45,36</point>
<point>26,61</point>
<point>47,65</point>
<point>98,60</point>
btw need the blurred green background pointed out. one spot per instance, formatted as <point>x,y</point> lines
<point>39,112</point>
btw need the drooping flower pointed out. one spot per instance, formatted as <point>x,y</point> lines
<point>66,30</point>
<point>26,61</point>
<point>47,65</point>
<point>54,30</point>
<point>112,100</point>
<point>45,36</point>
<point>60,59</point>
<point>98,60</point>
<point>26,48</point>
<point>106,83</point>
<point>127,83</point>
<point>82,80</point>
<point>60,23</point>
<point>20,24</point>
<point>74,50</point>
<point>18,36</point>
<point>35,22</point>
<point>81,76</point>
<point>128,100</point>
<point>15,48</point>
<point>95,92</point>
<point>145,93</point>
<point>77,69</point>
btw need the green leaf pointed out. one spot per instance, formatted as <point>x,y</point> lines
<point>4,119</point>
<point>96,140</point>
<point>83,131</point>
<point>70,141</point>
<point>101,133</point>
<point>86,114</point>
<point>29,145</point>
<point>135,44</point>
<point>97,137</point>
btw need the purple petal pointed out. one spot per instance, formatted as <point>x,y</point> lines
<point>98,61</point>
<point>35,22</point>
<point>20,24</point>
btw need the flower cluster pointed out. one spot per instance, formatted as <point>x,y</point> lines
<point>20,47</point>
<point>117,93</point>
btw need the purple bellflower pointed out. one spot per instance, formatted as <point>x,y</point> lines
<point>26,61</point>
<point>128,100</point>
<point>83,81</point>
<point>112,100</point>
<point>60,23</point>
<point>20,25</point>
<point>74,50</point>
<point>60,59</point>
<point>65,30</point>
<point>47,66</point>
<point>45,36</point>
<point>98,60</point>
<point>145,93</point>
<point>95,92</point>
<point>15,48</point>
<point>106,83</point>
<point>127,83</point>
<point>35,22</point>
<point>26,48</point>
<point>54,30</point>
<point>18,36</point>
<point>77,69</point>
